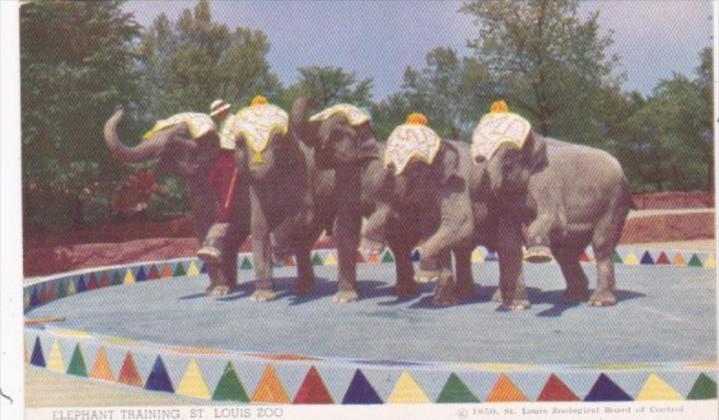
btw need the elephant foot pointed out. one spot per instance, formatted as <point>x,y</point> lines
<point>519,302</point>
<point>209,254</point>
<point>465,292</point>
<point>371,246</point>
<point>602,298</point>
<point>538,254</point>
<point>444,298</point>
<point>304,288</point>
<point>218,290</point>
<point>406,289</point>
<point>574,295</point>
<point>346,296</point>
<point>282,256</point>
<point>263,295</point>
<point>426,276</point>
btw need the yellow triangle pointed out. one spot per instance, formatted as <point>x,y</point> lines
<point>129,277</point>
<point>477,256</point>
<point>192,384</point>
<point>407,390</point>
<point>710,262</point>
<point>54,361</point>
<point>192,270</point>
<point>679,260</point>
<point>655,389</point>
<point>71,290</point>
<point>631,259</point>
<point>331,260</point>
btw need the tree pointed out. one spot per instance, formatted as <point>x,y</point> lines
<point>330,85</point>
<point>189,63</point>
<point>543,58</point>
<point>77,62</point>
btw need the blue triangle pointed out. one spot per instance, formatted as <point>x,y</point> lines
<point>360,391</point>
<point>37,358</point>
<point>159,380</point>
<point>491,256</point>
<point>647,259</point>
<point>35,297</point>
<point>141,276</point>
<point>203,269</point>
<point>415,255</point>
<point>606,390</point>
<point>81,286</point>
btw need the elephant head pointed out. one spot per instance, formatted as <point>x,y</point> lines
<point>177,154</point>
<point>510,167</point>
<point>340,135</point>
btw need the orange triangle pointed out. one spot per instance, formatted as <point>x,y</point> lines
<point>167,271</point>
<point>270,389</point>
<point>102,369</point>
<point>505,391</point>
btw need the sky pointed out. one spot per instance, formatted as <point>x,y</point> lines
<point>379,39</point>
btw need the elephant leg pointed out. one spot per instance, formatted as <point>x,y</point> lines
<point>577,283</point>
<point>349,225</point>
<point>511,279</point>
<point>538,243</point>
<point>305,273</point>
<point>444,291</point>
<point>463,269</point>
<point>261,255</point>
<point>402,250</point>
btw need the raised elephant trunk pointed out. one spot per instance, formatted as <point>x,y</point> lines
<point>299,124</point>
<point>141,153</point>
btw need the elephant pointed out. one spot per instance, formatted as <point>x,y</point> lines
<point>567,196</point>
<point>430,202</point>
<point>343,142</point>
<point>179,154</point>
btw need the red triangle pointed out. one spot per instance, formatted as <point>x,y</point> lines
<point>154,274</point>
<point>663,259</point>
<point>92,283</point>
<point>104,280</point>
<point>584,257</point>
<point>52,292</point>
<point>128,372</point>
<point>44,296</point>
<point>167,271</point>
<point>556,390</point>
<point>313,390</point>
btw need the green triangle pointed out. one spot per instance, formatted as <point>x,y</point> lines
<point>246,264</point>
<point>116,279</point>
<point>77,363</point>
<point>695,261</point>
<point>616,258</point>
<point>455,391</point>
<point>317,260</point>
<point>387,258</point>
<point>179,270</point>
<point>61,289</point>
<point>230,388</point>
<point>704,389</point>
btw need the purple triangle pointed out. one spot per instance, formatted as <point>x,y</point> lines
<point>606,390</point>
<point>81,287</point>
<point>203,269</point>
<point>159,380</point>
<point>360,391</point>
<point>415,256</point>
<point>491,256</point>
<point>35,297</point>
<point>647,259</point>
<point>37,358</point>
<point>141,276</point>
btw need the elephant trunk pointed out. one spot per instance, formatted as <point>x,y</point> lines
<point>299,124</point>
<point>141,153</point>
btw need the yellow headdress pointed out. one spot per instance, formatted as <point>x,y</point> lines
<point>258,123</point>
<point>499,127</point>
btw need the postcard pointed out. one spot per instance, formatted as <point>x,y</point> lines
<point>343,209</point>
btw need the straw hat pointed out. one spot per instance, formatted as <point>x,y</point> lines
<point>218,107</point>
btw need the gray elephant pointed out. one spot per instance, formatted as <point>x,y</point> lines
<point>429,201</point>
<point>343,141</point>
<point>187,148</point>
<point>566,195</point>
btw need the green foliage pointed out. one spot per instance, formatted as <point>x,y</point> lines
<point>77,63</point>
<point>329,85</point>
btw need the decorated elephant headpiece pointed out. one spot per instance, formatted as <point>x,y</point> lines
<point>497,128</point>
<point>411,140</point>
<point>257,123</point>
<point>198,124</point>
<point>355,116</point>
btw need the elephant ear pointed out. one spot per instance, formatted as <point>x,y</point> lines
<point>367,147</point>
<point>534,152</point>
<point>447,164</point>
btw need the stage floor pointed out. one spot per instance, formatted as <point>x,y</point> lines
<point>664,314</point>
